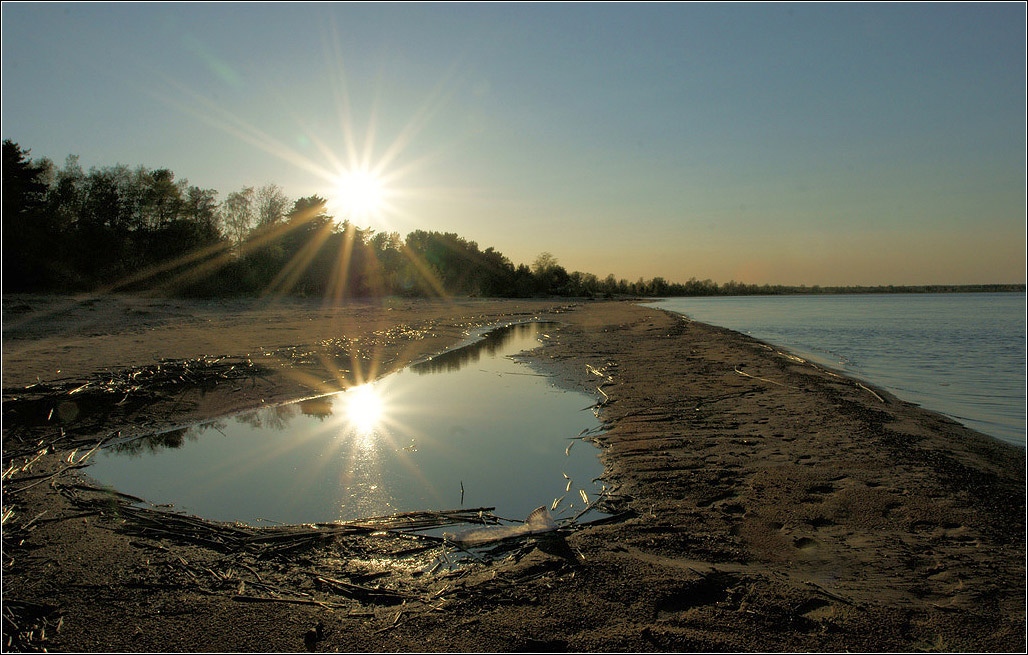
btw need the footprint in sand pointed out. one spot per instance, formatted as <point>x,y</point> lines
<point>806,544</point>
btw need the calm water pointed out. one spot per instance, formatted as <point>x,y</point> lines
<point>471,417</point>
<point>959,354</point>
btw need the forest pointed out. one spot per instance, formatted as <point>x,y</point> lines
<point>117,228</point>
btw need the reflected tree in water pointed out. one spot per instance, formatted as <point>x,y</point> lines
<point>153,443</point>
<point>272,418</point>
<point>319,408</point>
<point>490,343</point>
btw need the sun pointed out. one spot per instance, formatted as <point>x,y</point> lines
<point>360,194</point>
<point>363,408</point>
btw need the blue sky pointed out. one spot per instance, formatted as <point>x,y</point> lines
<point>795,144</point>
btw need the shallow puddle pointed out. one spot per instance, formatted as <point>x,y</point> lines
<point>469,428</point>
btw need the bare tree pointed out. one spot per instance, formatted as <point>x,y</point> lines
<point>269,205</point>
<point>237,214</point>
<point>544,263</point>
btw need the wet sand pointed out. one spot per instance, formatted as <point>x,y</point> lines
<point>776,505</point>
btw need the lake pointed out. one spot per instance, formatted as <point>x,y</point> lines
<point>962,355</point>
<point>471,427</point>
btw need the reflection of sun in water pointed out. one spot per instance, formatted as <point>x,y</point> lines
<point>360,193</point>
<point>363,408</point>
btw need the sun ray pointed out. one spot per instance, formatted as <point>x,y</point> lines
<point>340,93</point>
<point>435,102</point>
<point>368,155</point>
<point>216,255</point>
<point>287,277</point>
<point>232,124</point>
<point>327,152</point>
<point>337,286</point>
<point>337,373</point>
<point>426,273</point>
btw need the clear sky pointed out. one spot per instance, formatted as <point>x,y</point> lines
<point>766,143</point>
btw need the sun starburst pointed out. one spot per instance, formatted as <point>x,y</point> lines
<point>360,194</point>
<point>363,408</point>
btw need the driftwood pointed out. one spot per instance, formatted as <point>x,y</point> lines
<point>272,599</point>
<point>870,391</point>
<point>755,377</point>
<point>270,542</point>
<point>370,595</point>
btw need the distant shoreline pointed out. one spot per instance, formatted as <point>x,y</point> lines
<point>735,289</point>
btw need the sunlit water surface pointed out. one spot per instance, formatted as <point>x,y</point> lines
<point>960,354</point>
<point>472,418</point>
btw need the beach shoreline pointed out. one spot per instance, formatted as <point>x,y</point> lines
<point>775,505</point>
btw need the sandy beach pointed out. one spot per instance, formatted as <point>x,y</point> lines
<point>762,503</point>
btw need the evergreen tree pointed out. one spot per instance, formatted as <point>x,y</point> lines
<point>28,231</point>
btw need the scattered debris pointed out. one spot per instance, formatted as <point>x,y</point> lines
<point>25,625</point>
<point>84,408</point>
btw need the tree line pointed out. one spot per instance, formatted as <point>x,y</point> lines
<point>118,228</point>
<point>133,229</point>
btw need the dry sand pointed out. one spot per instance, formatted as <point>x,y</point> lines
<point>777,505</point>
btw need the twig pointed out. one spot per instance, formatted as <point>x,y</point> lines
<point>295,601</point>
<point>251,570</point>
<point>363,594</point>
<point>745,374</point>
<point>396,622</point>
<point>880,399</point>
